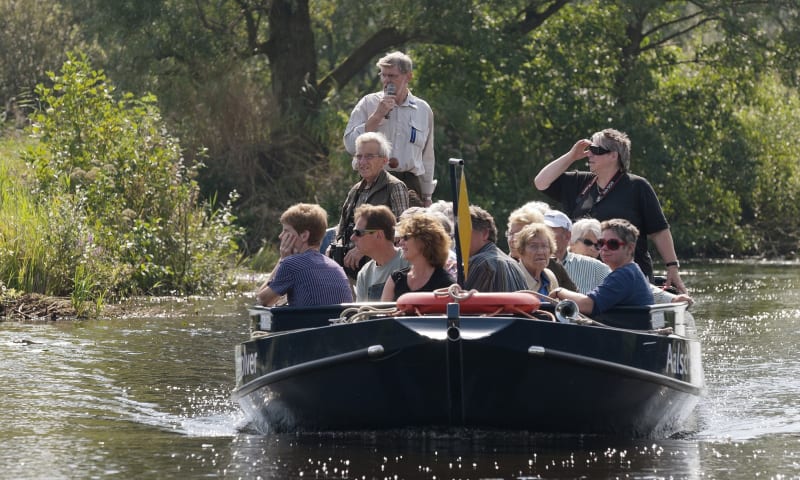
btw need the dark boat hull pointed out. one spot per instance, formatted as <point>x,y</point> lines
<point>494,373</point>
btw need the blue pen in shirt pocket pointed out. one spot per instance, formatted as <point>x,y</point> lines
<point>413,134</point>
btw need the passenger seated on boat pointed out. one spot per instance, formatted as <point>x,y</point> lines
<point>533,212</point>
<point>586,272</point>
<point>584,235</point>
<point>489,269</point>
<point>535,244</point>
<point>626,285</point>
<point>437,210</point>
<point>374,237</point>
<point>303,274</point>
<point>426,246</point>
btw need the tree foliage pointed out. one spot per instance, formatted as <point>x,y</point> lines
<point>137,223</point>
<point>267,85</point>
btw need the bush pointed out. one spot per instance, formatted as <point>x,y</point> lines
<point>123,203</point>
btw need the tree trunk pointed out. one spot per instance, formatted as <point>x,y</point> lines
<point>293,60</point>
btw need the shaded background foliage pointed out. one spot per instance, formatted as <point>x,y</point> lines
<point>705,90</point>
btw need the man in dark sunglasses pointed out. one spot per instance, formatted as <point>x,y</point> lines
<point>374,237</point>
<point>608,190</point>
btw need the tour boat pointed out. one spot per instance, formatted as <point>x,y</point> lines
<point>468,360</point>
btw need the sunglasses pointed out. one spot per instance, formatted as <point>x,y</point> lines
<point>589,243</point>
<point>612,244</point>
<point>598,150</point>
<point>361,233</point>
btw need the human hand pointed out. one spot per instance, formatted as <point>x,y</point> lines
<point>683,297</point>
<point>389,100</point>
<point>674,280</point>
<point>580,149</point>
<point>353,258</point>
<point>287,246</point>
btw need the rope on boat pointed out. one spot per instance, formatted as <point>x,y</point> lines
<point>364,312</point>
<point>455,292</point>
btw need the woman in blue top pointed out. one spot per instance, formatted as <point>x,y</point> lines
<point>626,285</point>
<point>534,245</point>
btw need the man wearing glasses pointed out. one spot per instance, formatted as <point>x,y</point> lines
<point>377,187</point>
<point>405,120</point>
<point>374,237</point>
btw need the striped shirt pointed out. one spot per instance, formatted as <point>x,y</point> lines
<point>586,272</point>
<point>311,278</point>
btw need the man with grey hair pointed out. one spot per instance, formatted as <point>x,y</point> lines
<point>377,187</point>
<point>406,120</point>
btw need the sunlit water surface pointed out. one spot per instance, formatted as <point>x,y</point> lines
<point>150,398</point>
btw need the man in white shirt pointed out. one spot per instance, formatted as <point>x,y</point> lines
<point>405,120</point>
<point>374,236</point>
<point>586,272</point>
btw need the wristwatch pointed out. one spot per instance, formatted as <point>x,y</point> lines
<point>672,264</point>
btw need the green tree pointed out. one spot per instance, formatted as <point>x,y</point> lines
<point>140,225</point>
<point>267,86</point>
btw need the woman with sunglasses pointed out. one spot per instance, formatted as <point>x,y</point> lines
<point>626,285</point>
<point>426,246</point>
<point>585,233</point>
<point>608,190</point>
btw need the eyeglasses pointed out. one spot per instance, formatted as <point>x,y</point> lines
<point>538,247</point>
<point>367,156</point>
<point>598,150</point>
<point>612,244</point>
<point>588,243</point>
<point>366,231</point>
<point>405,237</point>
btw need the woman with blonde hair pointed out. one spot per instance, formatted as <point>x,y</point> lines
<point>535,245</point>
<point>426,246</point>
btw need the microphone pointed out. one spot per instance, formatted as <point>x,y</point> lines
<point>390,90</point>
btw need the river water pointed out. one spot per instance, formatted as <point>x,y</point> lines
<point>149,397</point>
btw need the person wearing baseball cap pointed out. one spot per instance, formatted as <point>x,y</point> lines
<point>586,272</point>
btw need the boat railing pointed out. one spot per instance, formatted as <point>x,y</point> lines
<point>665,317</point>
<point>672,317</point>
<point>284,318</point>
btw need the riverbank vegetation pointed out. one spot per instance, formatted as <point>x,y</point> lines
<point>103,206</point>
<point>259,93</point>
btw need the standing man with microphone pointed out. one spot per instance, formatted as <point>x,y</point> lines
<point>404,119</point>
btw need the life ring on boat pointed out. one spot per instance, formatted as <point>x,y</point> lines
<point>472,302</point>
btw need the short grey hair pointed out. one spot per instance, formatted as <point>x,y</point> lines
<point>615,141</point>
<point>385,147</point>
<point>397,59</point>
<point>585,226</point>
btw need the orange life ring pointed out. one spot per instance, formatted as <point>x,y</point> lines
<point>421,303</point>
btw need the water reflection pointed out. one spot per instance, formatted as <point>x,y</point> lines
<point>150,398</point>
